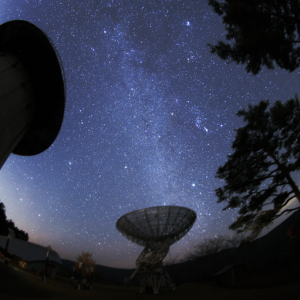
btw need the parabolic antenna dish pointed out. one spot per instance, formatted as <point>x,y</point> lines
<point>158,224</point>
<point>34,50</point>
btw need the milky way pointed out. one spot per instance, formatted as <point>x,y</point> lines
<point>150,115</point>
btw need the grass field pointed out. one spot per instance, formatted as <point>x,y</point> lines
<point>15,284</point>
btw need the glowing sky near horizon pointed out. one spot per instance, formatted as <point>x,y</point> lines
<point>150,115</point>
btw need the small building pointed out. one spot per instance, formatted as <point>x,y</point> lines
<point>231,275</point>
<point>30,256</point>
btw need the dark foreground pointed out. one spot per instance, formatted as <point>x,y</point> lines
<point>15,284</point>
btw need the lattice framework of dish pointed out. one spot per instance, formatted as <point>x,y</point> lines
<point>156,224</point>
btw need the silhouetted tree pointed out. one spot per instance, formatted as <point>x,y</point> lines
<point>6,224</point>
<point>3,220</point>
<point>87,262</point>
<point>21,234</point>
<point>208,246</point>
<point>258,174</point>
<point>260,32</point>
<point>171,261</point>
<point>213,245</point>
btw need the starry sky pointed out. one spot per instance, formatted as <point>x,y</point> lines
<point>150,116</point>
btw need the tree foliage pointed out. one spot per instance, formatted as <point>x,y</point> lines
<point>6,224</point>
<point>258,174</point>
<point>87,262</point>
<point>213,245</point>
<point>260,33</point>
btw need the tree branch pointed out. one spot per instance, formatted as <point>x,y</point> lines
<point>286,211</point>
<point>288,200</point>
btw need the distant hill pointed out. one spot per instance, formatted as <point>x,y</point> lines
<point>102,274</point>
<point>261,252</point>
<point>273,243</point>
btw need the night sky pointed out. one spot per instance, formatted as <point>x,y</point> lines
<point>150,116</point>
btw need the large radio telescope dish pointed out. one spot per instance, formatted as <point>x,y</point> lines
<point>156,228</point>
<point>153,225</point>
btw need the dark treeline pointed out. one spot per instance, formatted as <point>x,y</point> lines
<point>5,225</point>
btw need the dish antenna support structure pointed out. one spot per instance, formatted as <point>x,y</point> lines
<point>32,90</point>
<point>156,229</point>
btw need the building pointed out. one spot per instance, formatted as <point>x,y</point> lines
<point>231,275</point>
<point>31,256</point>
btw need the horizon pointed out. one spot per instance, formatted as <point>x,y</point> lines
<point>150,116</point>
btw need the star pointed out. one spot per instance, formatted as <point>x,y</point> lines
<point>150,116</point>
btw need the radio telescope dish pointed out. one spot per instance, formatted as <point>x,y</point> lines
<point>156,228</point>
<point>156,224</point>
<point>32,93</point>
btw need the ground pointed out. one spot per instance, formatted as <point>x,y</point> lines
<point>17,285</point>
